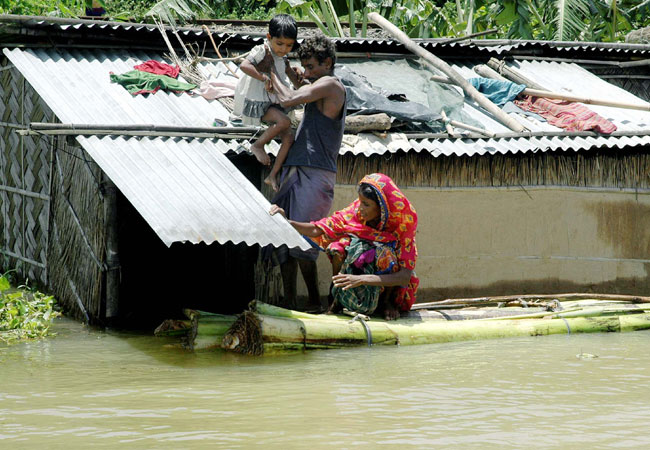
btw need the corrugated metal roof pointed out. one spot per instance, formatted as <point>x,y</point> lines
<point>554,76</point>
<point>73,69</point>
<point>187,190</point>
<point>81,77</point>
<point>497,46</point>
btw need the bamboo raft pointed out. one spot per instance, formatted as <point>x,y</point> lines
<point>265,329</point>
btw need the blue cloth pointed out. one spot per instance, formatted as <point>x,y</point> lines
<point>497,91</point>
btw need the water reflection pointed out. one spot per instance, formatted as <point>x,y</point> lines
<point>93,388</point>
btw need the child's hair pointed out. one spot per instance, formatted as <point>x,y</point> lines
<point>283,26</point>
<point>318,46</point>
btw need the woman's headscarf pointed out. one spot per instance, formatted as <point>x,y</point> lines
<point>397,225</point>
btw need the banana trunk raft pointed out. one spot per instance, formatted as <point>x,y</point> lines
<point>265,329</point>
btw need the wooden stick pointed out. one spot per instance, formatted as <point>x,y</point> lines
<point>472,128</point>
<point>511,298</point>
<point>207,30</point>
<point>439,64</point>
<point>470,36</point>
<point>512,74</point>
<point>586,100</point>
<point>488,72</point>
<point>448,126</point>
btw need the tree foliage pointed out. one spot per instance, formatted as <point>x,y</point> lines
<point>566,20</point>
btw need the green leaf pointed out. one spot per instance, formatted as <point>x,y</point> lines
<point>4,283</point>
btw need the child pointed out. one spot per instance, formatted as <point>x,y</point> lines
<point>253,100</point>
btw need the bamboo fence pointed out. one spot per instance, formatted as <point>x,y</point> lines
<point>51,205</point>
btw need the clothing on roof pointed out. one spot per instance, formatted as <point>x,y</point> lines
<point>139,82</point>
<point>567,115</point>
<point>498,92</point>
<point>216,88</point>
<point>159,68</point>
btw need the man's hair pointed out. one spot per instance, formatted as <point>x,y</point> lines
<point>318,46</point>
<point>283,26</point>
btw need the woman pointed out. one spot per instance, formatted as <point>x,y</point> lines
<point>371,244</point>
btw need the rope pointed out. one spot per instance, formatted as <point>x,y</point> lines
<point>362,318</point>
<point>567,325</point>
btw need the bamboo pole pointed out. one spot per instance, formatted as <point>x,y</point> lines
<point>488,72</point>
<point>512,74</point>
<point>510,298</point>
<point>439,64</point>
<point>111,241</point>
<point>447,123</point>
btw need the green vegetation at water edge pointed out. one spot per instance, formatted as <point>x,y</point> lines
<point>24,313</point>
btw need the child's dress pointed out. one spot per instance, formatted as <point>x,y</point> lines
<point>251,98</point>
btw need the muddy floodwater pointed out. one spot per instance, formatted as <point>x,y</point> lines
<point>86,388</point>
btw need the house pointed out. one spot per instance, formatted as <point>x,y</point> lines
<point>119,225</point>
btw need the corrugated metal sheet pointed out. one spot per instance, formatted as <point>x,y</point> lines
<point>187,190</point>
<point>81,77</point>
<point>497,46</point>
<point>554,76</point>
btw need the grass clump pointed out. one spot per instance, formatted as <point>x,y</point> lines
<point>24,313</point>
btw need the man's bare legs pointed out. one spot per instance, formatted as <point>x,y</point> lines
<point>337,260</point>
<point>309,272</point>
<point>289,271</point>
<point>279,124</point>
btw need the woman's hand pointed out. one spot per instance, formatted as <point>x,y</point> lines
<point>347,281</point>
<point>275,209</point>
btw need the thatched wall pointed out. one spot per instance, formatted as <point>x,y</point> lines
<point>628,168</point>
<point>51,207</point>
<point>76,256</point>
<point>24,179</point>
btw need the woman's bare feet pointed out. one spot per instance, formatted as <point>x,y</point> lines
<point>272,180</point>
<point>260,154</point>
<point>390,311</point>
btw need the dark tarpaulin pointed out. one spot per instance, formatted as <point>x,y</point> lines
<point>363,98</point>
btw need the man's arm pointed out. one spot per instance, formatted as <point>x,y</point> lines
<point>306,94</point>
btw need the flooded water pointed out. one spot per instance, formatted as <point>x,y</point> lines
<point>88,388</point>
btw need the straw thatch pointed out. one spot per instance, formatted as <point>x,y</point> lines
<point>628,169</point>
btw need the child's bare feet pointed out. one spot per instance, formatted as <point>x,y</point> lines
<point>272,181</point>
<point>260,154</point>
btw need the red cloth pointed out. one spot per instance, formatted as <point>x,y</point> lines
<point>564,114</point>
<point>158,68</point>
<point>398,224</point>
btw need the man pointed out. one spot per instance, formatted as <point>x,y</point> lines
<point>309,172</point>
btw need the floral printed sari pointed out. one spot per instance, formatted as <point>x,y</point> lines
<point>397,226</point>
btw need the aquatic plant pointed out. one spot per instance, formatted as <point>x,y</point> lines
<point>25,313</point>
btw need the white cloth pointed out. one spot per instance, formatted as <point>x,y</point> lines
<point>251,98</point>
